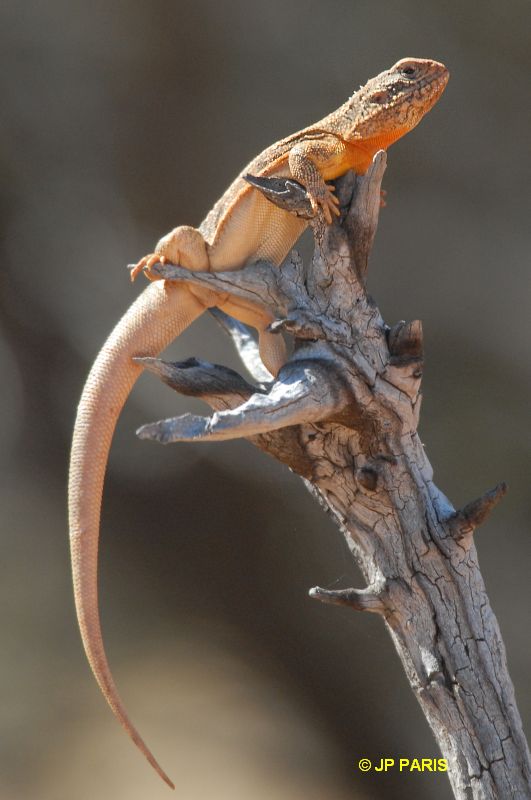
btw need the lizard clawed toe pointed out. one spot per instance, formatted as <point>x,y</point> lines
<point>327,203</point>
<point>145,264</point>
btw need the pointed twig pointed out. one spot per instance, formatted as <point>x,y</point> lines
<point>223,388</point>
<point>362,220</point>
<point>464,522</point>
<point>219,386</point>
<point>404,369</point>
<point>285,193</point>
<point>305,392</point>
<point>358,599</point>
<point>405,342</point>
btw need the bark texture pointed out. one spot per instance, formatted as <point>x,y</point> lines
<point>343,414</point>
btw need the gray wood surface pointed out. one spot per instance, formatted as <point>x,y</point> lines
<point>343,414</point>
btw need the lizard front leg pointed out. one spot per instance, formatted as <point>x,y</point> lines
<point>314,160</point>
<point>186,247</point>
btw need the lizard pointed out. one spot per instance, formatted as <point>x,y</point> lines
<point>243,227</point>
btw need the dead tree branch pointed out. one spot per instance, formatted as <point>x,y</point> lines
<point>343,414</point>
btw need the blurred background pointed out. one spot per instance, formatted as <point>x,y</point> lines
<point>119,121</point>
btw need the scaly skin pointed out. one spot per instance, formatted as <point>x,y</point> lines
<point>242,227</point>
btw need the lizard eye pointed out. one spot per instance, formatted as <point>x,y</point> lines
<point>409,71</point>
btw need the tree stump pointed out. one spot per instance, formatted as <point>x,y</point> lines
<point>343,414</point>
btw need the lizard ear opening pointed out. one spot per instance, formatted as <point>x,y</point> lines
<point>380,98</point>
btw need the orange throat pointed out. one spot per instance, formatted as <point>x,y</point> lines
<point>362,152</point>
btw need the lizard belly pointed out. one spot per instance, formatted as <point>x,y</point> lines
<point>255,230</point>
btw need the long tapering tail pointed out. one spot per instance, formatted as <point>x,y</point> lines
<point>157,317</point>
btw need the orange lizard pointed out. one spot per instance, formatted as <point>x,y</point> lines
<point>243,227</point>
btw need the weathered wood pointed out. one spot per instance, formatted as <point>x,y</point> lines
<point>343,413</point>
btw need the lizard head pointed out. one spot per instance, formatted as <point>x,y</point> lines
<point>392,103</point>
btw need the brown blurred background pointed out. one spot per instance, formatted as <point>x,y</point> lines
<point>120,120</point>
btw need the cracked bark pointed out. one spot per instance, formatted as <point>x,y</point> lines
<point>343,414</point>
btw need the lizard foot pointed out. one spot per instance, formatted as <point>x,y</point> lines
<point>145,264</point>
<point>327,202</point>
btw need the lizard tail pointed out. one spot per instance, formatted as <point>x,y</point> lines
<point>160,314</point>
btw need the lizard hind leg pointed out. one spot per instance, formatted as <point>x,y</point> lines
<point>184,246</point>
<point>271,345</point>
<point>272,351</point>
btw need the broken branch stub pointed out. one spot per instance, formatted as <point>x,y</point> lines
<point>343,413</point>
